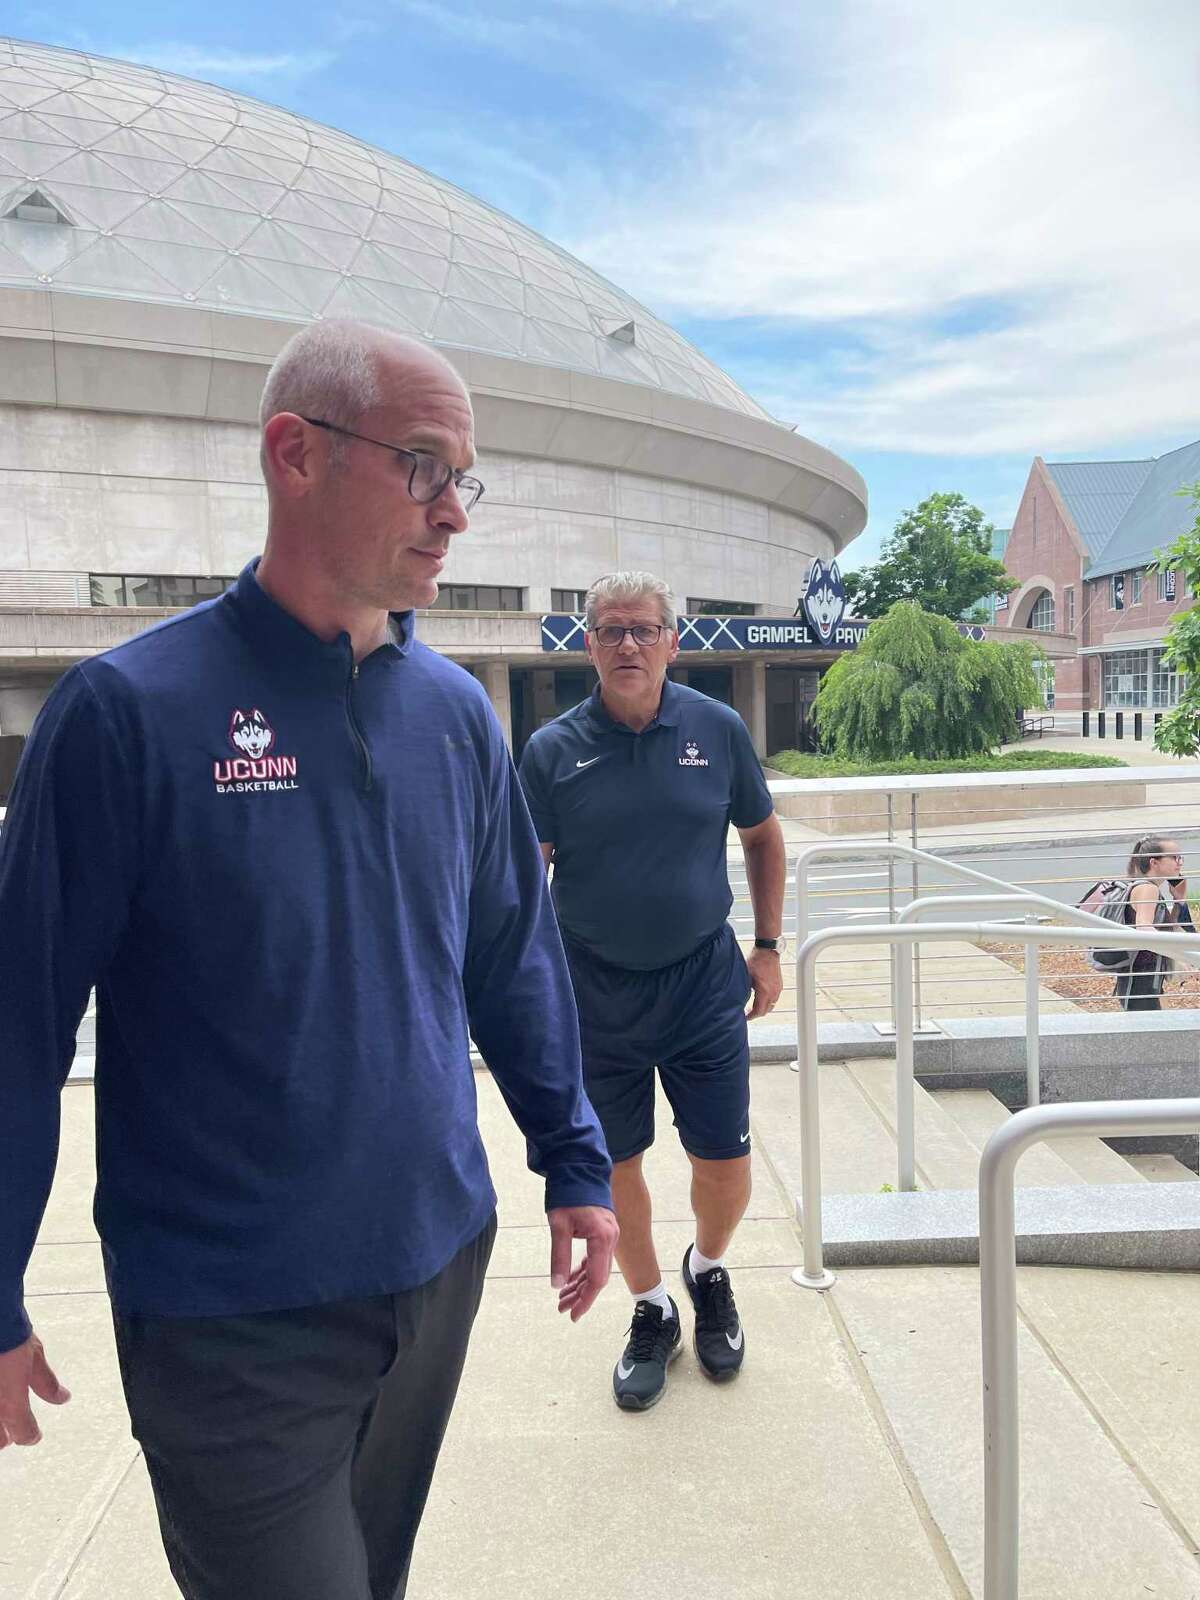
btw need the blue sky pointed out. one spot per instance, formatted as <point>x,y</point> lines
<point>937,249</point>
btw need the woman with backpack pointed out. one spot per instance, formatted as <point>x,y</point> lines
<point>1157,899</point>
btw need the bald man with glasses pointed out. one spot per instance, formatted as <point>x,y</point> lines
<point>286,843</point>
<point>632,795</point>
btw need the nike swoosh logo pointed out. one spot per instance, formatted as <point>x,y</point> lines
<point>744,1138</point>
<point>624,1372</point>
<point>590,763</point>
<point>734,1344</point>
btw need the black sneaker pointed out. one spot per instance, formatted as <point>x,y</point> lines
<point>640,1376</point>
<point>719,1341</point>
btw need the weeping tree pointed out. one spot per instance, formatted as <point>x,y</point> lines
<point>916,687</point>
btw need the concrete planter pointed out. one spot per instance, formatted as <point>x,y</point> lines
<point>865,810</point>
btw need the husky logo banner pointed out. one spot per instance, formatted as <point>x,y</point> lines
<point>824,598</point>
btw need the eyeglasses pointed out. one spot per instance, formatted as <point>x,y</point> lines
<point>428,477</point>
<point>611,634</point>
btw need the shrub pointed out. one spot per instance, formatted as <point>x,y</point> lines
<point>797,765</point>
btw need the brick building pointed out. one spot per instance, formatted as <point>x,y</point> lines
<point>1081,543</point>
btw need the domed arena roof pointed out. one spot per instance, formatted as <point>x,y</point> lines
<point>119,180</point>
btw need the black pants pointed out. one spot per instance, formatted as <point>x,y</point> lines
<point>291,1452</point>
<point>1139,989</point>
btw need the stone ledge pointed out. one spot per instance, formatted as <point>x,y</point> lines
<point>1150,1226</point>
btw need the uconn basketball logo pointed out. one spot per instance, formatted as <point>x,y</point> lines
<point>824,599</point>
<point>254,771</point>
<point>691,756</point>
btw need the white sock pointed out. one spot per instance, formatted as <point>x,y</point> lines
<point>659,1297</point>
<point>698,1263</point>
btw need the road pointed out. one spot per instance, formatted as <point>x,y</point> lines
<point>859,891</point>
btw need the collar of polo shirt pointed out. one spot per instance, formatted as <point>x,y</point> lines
<point>667,717</point>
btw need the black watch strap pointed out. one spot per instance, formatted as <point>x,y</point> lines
<point>766,944</point>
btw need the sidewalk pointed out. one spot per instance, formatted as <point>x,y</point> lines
<point>845,1462</point>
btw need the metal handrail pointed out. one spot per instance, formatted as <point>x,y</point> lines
<point>906,852</point>
<point>812,1274</point>
<point>892,852</point>
<point>906,1169</point>
<point>998,1290</point>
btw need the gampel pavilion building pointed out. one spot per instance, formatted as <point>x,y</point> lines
<point>160,239</point>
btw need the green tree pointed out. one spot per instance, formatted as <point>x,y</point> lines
<point>916,687</point>
<point>1178,734</point>
<point>939,555</point>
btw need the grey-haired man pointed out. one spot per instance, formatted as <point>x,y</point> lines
<point>632,794</point>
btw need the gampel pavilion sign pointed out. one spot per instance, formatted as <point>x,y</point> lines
<point>820,623</point>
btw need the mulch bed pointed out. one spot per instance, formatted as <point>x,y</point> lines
<point>1067,974</point>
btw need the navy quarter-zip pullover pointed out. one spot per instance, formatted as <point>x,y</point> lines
<point>297,885</point>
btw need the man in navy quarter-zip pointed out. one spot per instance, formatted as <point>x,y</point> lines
<point>632,795</point>
<point>285,842</point>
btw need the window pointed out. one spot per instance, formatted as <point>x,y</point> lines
<point>1168,585</point>
<point>1116,592</point>
<point>1125,679</point>
<point>1069,607</point>
<point>721,608</point>
<point>478,597</point>
<point>569,600</point>
<point>1041,617</point>
<point>1166,685</point>
<point>116,589</point>
<point>1043,671</point>
<point>1138,583</point>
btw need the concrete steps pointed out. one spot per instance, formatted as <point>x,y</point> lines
<point>978,1113</point>
<point>1158,1167</point>
<point>1079,1203</point>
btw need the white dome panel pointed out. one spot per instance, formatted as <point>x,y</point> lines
<point>175,191</point>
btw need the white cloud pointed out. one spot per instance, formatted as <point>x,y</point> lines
<point>527,37</point>
<point>875,169</point>
<point>222,66</point>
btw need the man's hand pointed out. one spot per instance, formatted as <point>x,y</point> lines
<point>766,974</point>
<point>21,1370</point>
<point>577,1289</point>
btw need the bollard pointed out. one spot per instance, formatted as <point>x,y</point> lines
<point>1120,725</point>
<point>1137,726</point>
<point>1100,721</point>
<point>1087,724</point>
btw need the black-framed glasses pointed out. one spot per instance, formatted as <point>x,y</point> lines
<point>611,634</point>
<point>428,477</point>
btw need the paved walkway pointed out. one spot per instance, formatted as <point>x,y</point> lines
<point>844,1463</point>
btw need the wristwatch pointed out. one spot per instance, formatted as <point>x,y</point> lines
<point>778,945</point>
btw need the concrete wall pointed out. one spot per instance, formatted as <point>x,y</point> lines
<point>88,491</point>
<point>865,811</point>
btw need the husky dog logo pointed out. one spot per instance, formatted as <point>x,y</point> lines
<point>824,598</point>
<point>251,733</point>
<point>253,771</point>
<point>691,756</point>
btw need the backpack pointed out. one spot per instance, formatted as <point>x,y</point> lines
<point>1109,899</point>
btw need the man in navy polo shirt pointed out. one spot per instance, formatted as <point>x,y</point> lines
<point>286,843</point>
<point>632,794</point>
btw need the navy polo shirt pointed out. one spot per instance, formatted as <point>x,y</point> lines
<point>639,822</point>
